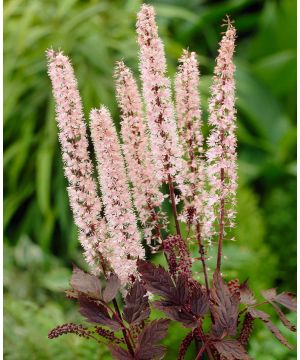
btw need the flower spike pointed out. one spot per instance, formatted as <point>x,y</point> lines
<point>85,202</point>
<point>221,153</point>
<point>125,246</point>
<point>167,152</point>
<point>146,193</point>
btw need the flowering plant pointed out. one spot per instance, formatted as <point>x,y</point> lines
<point>160,161</point>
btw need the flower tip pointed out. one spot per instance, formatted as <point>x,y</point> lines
<point>119,68</point>
<point>120,64</point>
<point>93,112</point>
<point>230,30</point>
<point>146,8</point>
<point>146,11</point>
<point>50,53</point>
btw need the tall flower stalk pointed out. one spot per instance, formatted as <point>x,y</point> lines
<point>85,202</point>
<point>125,245</point>
<point>221,153</point>
<point>189,124</point>
<point>141,171</point>
<point>166,150</point>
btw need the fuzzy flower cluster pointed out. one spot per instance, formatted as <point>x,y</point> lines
<point>85,203</point>
<point>221,153</point>
<point>156,150</point>
<point>166,150</point>
<point>124,243</point>
<point>141,171</point>
<point>189,128</point>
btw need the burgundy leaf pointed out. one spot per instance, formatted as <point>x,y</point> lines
<point>85,283</point>
<point>231,349</point>
<point>136,308</point>
<point>147,348</point>
<point>199,301</point>
<point>247,297</point>
<point>97,313</point>
<point>224,307</point>
<point>182,289</point>
<point>270,295</point>
<point>112,287</point>
<point>288,300</point>
<point>274,330</point>
<point>283,318</point>
<point>119,353</point>
<point>258,314</point>
<point>157,280</point>
<point>176,313</point>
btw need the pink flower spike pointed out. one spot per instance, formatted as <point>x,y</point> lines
<point>85,203</point>
<point>125,246</point>
<point>166,150</point>
<point>221,153</point>
<point>189,126</point>
<point>146,193</point>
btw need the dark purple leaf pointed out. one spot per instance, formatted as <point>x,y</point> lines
<point>147,348</point>
<point>274,330</point>
<point>97,313</point>
<point>112,287</point>
<point>85,283</point>
<point>283,318</point>
<point>288,300</point>
<point>231,349</point>
<point>119,353</point>
<point>270,295</point>
<point>258,314</point>
<point>182,289</point>
<point>157,280</point>
<point>136,308</point>
<point>177,313</point>
<point>199,302</point>
<point>247,297</point>
<point>224,308</point>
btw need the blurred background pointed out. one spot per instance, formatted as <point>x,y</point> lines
<point>40,240</point>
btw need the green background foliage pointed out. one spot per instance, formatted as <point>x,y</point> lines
<point>39,236</point>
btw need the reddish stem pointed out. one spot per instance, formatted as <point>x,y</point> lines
<point>128,343</point>
<point>173,202</point>
<point>202,256</point>
<point>221,235</point>
<point>222,214</point>
<point>116,306</point>
<point>205,344</point>
<point>200,352</point>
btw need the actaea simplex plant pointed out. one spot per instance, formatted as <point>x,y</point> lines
<point>162,147</point>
